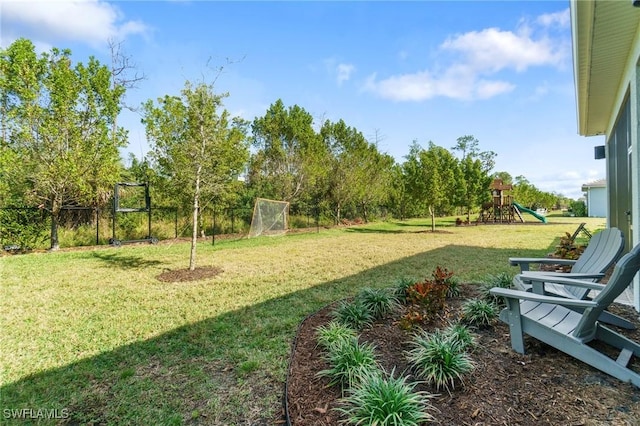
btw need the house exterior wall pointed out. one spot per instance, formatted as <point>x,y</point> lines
<point>622,147</point>
<point>597,202</point>
<point>628,91</point>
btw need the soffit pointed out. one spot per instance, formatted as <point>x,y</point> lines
<point>603,33</point>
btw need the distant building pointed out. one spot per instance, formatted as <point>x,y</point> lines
<point>596,198</point>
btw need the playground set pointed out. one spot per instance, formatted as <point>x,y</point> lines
<point>502,208</point>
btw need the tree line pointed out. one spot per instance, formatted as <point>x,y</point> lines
<point>61,145</point>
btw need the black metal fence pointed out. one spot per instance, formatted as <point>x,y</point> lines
<point>29,227</point>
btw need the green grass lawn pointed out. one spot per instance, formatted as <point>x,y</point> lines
<point>94,337</point>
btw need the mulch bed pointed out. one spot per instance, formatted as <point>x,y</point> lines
<point>186,275</point>
<point>544,387</point>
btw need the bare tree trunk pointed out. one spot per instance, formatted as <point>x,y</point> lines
<point>56,206</point>
<point>194,234</point>
<point>433,218</point>
<point>364,212</point>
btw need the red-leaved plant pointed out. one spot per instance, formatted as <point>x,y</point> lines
<point>429,296</point>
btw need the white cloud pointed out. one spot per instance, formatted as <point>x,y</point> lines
<point>89,21</point>
<point>493,50</point>
<point>344,72</point>
<point>456,83</point>
<point>488,89</point>
<point>474,58</point>
<point>340,70</point>
<point>568,183</point>
<point>561,19</point>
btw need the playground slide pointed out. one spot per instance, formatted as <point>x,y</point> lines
<point>531,212</point>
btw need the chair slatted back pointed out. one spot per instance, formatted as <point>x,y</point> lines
<point>603,250</point>
<point>622,276</point>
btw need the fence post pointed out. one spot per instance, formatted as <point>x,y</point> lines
<point>97,226</point>
<point>233,221</point>
<point>213,231</point>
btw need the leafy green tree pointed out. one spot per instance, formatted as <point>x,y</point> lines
<point>288,161</point>
<point>431,177</point>
<point>476,188</point>
<point>58,124</point>
<point>397,196</point>
<point>468,146</point>
<point>375,186</point>
<point>359,175</point>
<point>197,146</point>
<point>341,141</point>
<point>524,192</point>
<point>504,176</point>
<point>441,174</point>
<point>475,167</point>
<point>413,181</point>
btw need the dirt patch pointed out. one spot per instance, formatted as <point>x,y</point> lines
<point>544,387</point>
<point>186,275</point>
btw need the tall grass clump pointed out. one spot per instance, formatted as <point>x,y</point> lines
<point>348,361</point>
<point>479,313</point>
<point>380,400</point>
<point>334,334</point>
<point>439,359</point>
<point>454,288</point>
<point>354,314</point>
<point>461,335</point>
<point>379,302</point>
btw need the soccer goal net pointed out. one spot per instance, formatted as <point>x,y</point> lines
<point>269,218</point>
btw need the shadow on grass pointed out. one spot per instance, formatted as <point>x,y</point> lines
<point>124,261</point>
<point>228,369</point>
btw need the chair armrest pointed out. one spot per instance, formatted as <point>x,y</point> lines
<point>525,295</point>
<point>560,279</point>
<point>524,262</point>
<point>552,275</point>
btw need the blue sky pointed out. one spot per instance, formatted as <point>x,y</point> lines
<point>396,71</point>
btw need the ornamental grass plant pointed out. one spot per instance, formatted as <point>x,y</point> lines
<point>385,400</point>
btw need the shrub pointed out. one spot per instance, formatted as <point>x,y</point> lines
<point>353,314</point>
<point>479,313</point>
<point>23,228</point>
<point>410,319</point>
<point>567,248</point>
<point>334,334</point>
<point>439,359</point>
<point>379,400</point>
<point>348,361</point>
<point>379,302</point>
<point>579,208</point>
<point>431,293</point>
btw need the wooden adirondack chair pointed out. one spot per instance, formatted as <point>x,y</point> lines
<point>603,250</point>
<point>553,321</point>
